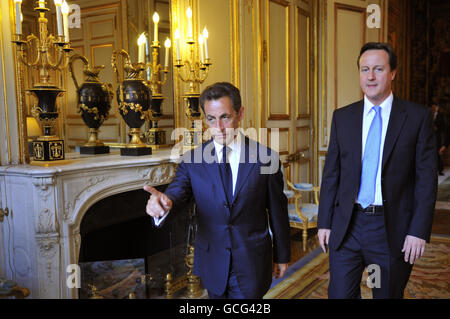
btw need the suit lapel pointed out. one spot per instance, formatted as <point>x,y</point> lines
<point>396,121</point>
<point>214,172</point>
<point>356,135</point>
<point>247,163</point>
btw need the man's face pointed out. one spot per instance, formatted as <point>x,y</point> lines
<point>222,119</point>
<point>375,75</point>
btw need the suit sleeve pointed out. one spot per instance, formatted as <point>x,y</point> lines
<point>425,182</point>
<point>330,180</point>
<point>180,191</point>
<point>278,215</point>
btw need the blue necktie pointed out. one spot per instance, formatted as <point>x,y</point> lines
<point>227,177</point>
<point>370,161</point>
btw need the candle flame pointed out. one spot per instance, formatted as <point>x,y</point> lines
<point>142,39</point>
<point>155,17</point>
<point>177,33</point>
<point>205,33</point>
<point>167,43</point>
<point>58,2</point>
<point>189,12</point>
<point>65,8</point>
<point>15,1</point>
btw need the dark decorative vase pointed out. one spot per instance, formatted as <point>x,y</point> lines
<point>47,147</point>
<point>134,99</point>
<point>94,103</point>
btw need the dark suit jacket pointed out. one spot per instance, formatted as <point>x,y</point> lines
<point>408,178</point>
<point>239,229</point>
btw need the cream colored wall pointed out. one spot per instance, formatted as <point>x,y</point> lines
<point>9,140</point>
<point>216,16</point>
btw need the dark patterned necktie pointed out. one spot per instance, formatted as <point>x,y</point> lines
<point>227,176</point>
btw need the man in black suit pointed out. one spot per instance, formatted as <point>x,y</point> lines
<point>379,184</point>
<point>237,185</point>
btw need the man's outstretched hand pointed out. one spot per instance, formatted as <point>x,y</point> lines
<point>159,204</point>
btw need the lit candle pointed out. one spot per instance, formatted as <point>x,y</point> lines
<point>189,15</point>
<point>58,4</point>
<point>200,44</point>
<point>177,39</point>
<point>18,16</point>
<point>141,45</point>
<point>65,13</point>
<point>167,45</point>
<point>205,37</point>
<point>155,20</point>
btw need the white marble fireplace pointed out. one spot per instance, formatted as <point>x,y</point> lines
<point>41,235</point>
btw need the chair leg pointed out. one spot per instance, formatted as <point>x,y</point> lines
<point>304,236</point>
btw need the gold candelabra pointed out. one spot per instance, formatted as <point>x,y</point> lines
<point>194,72</point>
<point>47,147</point>
<point>157,78</point>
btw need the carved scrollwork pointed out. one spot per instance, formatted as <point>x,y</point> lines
<point>48,249</point>
<point>44,186</point>
<point>46,222</point>
<point>87,188</point>
<point>158,175</point>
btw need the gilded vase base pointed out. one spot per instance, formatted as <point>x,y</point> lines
<point>138,151</point>
<point>156,136</point>
<point>94,150</point>
<point>51,163</point>
<point>48,149</point>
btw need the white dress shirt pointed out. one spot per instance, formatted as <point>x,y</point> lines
<point>233,156</point>
<point>368,115</point>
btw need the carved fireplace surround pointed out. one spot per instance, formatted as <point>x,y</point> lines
<point>41,235</point>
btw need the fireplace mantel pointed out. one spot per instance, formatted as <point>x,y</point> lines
<point>41,236</point>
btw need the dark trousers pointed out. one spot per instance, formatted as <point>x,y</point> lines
<point>440,162</point>
<point>232,291</point>
<point>366,245</point>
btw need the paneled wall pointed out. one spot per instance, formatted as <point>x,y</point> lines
<point>347,29</point>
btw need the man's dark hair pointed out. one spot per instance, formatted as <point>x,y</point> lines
<point>218,90</point>
<point>380,46</point>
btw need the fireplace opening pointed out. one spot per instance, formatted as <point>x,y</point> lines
<point>122,254</point>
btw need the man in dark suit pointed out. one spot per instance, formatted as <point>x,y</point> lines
<point>379,184</point>
<point>237,185</point>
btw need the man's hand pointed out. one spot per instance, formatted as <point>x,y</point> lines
<point>159,203</point>
<point>279,270</point>
<point>324,237</point>
<point>442,149</point>
<point>413,248</point>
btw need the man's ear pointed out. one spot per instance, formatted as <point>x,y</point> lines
<point>393,73</point>
<point>241,113</point>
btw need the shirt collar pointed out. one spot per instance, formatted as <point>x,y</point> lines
<point>387,104</point>
<point>235,145</point>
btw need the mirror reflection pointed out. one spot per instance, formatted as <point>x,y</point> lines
<point>103,27</point>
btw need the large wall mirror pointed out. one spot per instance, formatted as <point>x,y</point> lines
<point>105,26</point>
